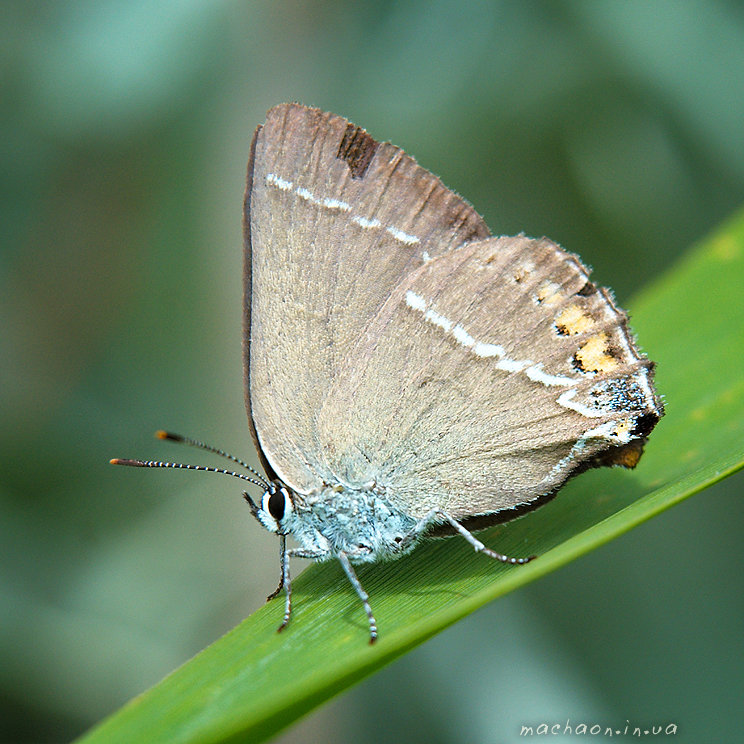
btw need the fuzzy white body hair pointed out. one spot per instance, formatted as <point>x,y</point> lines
<point>358,522</point>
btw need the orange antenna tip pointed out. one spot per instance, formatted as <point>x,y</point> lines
<point>160,434</point>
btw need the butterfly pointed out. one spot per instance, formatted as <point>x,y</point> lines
<point>407,374</point>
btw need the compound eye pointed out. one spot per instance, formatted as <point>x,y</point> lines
<point>277,504</point>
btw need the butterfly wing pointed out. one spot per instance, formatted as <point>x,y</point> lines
<point>491,374</point>
<point>333,221</point>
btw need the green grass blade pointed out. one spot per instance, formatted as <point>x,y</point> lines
<point>253,682</point>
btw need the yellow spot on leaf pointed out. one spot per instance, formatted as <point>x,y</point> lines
<point>726,248</point>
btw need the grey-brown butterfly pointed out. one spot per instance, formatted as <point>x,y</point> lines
<point>407,374</point>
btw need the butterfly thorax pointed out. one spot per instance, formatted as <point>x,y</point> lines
<point>359,522</point>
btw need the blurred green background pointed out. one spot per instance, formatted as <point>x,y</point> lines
<point>613,127</point>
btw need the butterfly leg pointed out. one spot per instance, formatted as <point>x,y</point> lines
<point>480,547</point>
<point>346,564</point>
<point>437,516</point>
<point>286,579</point>
<point>286,583</point>
<point>282,563</point>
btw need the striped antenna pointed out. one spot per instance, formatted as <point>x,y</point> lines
<point>183,466</point>
<point>169,435</point>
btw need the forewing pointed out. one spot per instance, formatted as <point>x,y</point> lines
<point>333,221</point>
<point>491,374</point>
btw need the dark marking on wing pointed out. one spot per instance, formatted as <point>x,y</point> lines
<point>357,148</point>
<point>587,290</point>
<point>644,424</point>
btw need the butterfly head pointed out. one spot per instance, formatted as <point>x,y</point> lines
<point>275,507</point>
